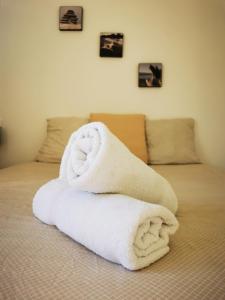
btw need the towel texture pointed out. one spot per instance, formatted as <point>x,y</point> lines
<point>96,161</point>
<point>117,227</point>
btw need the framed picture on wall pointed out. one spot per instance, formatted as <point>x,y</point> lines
<point>111,44</point>
<point>71,18</point>
<point>150,75</point>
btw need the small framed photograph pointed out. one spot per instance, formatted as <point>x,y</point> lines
<point>150,75</point>
<point>111,44</point>
<point>70,18</point>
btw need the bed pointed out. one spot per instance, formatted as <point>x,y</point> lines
<point>37,261</point>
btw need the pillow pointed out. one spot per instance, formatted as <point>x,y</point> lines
<point>171,141</point>
<point>58,132</point>
<point>130,129</point>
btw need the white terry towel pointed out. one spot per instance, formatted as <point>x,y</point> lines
<point>95,160</point>
<point>119,228</point>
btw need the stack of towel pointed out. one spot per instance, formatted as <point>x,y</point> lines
<point>95,200</point>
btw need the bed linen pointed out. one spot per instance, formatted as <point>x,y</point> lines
<point>39,262</point>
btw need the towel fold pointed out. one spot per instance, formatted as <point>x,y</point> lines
<point>119,228</point>
<point>96,161</point>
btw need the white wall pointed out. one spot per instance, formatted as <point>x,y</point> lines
<point>48,73</point>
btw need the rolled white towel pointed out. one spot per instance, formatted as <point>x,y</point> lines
<point>119,228</point>
<point>95,160</point>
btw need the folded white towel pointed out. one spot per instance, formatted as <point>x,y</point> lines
<point>96,161</point>
<point>119,228</point>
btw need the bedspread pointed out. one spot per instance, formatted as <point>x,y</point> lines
<point>39,262</point>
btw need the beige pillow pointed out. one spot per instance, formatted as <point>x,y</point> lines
<point>58,132</point>
<point>171,141</point>
<point>130,129</point>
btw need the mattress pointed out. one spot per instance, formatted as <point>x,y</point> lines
<point>38,261</point>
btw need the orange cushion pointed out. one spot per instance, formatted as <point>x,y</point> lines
<point>130,129</point>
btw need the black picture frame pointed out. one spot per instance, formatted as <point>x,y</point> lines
<point>150,75</point>
<point>111,44</point>
<point>71,18</point>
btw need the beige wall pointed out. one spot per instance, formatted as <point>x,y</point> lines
<point>45,72</point>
